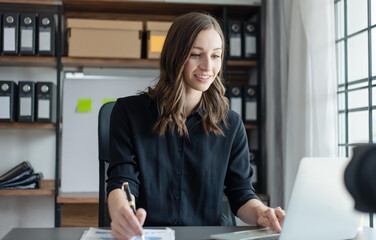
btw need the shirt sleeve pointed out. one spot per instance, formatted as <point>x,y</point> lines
<point>123,166</point>
<point>238,186</point>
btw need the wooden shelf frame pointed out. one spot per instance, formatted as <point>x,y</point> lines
<point>78,197</point>
<point>47,188</point>
<point>81,62</point>
<point>33,2</point>
<point>26,61</point>
<point>26,125</point>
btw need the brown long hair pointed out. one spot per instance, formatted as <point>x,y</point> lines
<point>169,92</point>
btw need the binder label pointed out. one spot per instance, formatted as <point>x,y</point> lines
<point>250,45</point>
<point>235,46</point>
<point>9,39</point>
<point>27,38</point>
<point>251,111</point>
<point>236,105</point>
<point>25,106</point>
<point>5,107</point>
<point>43,108</point>
<point>44,41</point>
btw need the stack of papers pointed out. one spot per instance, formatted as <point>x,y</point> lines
<point>149,234</point>
<point>264,233</point>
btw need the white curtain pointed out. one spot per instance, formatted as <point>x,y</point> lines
<point>300,82</point>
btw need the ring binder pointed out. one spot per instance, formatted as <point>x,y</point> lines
<point>27,34</point>
<point>235,40</point>
<point>10,33</point>
<point>236,99</point>
<point>26,101</point>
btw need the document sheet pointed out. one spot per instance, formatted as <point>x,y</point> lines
<point>149,234</point>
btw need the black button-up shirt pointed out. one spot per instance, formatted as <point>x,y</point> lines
<point>178,180</point>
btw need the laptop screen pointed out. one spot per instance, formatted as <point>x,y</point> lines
<point>320,206</point>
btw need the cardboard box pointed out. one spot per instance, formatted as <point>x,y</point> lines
<point>104,38</point>
<point>156,35</point>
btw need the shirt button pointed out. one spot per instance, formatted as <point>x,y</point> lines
<point>179,172</point>
<point>177,197</point>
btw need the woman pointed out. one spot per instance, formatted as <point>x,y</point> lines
<point>179,146</point>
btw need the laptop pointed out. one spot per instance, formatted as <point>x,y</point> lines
<point>320,206</point>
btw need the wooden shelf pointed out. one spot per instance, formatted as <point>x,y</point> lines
<point>134,63</point>
<point>38,2</point>
<point>47,187</point>
<point>33,61</point>
<point>78,197</point>
<point>25,125</point>
<point>109,62</point>
<point>250,126</point>
<point>241,64</point>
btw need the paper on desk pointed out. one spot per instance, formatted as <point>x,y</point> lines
<point>262,233</point>
<point>149,234</point>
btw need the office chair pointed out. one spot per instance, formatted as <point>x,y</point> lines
<point>104,220</point>
<point>104,117</point>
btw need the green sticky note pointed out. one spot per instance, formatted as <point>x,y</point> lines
<point>108,100</point>
<point>83,105</point>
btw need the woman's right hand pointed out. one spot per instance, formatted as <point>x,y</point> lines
<point>125,224</point>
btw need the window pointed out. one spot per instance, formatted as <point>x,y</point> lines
<point>356,73</point>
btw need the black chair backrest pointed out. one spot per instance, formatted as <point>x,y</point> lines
<point>104,117</point>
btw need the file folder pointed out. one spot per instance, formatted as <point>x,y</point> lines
<point>10,33</point>
<point>253,159</point>
<point>236,99</point>
<point>16,171</point>
<point>45,95</point>
<point>26,100</point>
<point>8,91</point>
<point>46,34</point>
<point>27,34</point>
<point>250,40</point>
<point>250,104</point>
<point>235,39</point>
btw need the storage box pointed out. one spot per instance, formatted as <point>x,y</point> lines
<point>156,35</point>
<point>104,38</point>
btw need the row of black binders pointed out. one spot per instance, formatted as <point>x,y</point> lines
<point>27,101</point>
<point>243,100</point>
<point>242,40</point>
<point>27,34</point>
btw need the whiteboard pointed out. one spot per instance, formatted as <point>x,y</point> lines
<point>79,159</point>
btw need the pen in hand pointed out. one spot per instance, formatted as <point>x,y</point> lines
<point>125,188</point>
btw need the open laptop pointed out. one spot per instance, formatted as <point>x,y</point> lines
<point>320,206</point>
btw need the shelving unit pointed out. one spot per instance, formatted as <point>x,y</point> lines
<point>48,187</point>
<point>120,10</point>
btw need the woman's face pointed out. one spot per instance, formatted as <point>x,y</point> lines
<point>204,62</point>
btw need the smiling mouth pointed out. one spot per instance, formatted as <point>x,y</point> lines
<point>202,77</point>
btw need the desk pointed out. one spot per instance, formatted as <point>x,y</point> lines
<point>181,233</point>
